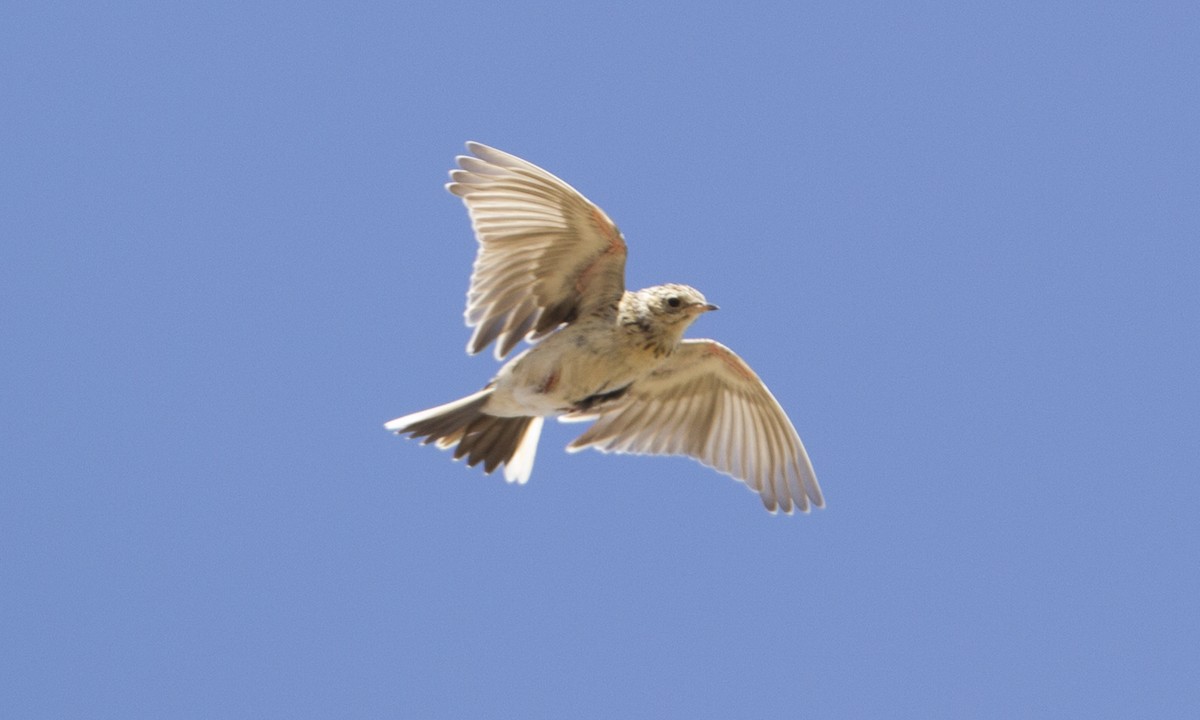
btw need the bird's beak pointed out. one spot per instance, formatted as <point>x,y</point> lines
<point>710,307</point>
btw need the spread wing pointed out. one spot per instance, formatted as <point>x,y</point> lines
<point>546,254</point>
<point>707,403</point>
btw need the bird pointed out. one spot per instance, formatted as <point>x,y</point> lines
<point>550,270</point>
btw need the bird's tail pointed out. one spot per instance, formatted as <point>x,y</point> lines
<point>481,438</point>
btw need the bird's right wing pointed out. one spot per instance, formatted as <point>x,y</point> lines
<point>546,254</point>
<point>707,403</point>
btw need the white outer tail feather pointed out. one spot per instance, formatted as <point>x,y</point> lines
<point>399,424</point>
<point>520,467</point>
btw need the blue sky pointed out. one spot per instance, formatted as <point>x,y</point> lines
<point>958,241</point>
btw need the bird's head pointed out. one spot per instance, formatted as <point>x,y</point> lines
<point>675,305</point>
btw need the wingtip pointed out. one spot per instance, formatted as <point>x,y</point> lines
<point>482,151</point>
<point>494,156</point>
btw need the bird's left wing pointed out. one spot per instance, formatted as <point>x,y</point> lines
<point>706,402</point>
<point>546,254</point>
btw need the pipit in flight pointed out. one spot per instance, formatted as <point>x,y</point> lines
<point>551,270</point>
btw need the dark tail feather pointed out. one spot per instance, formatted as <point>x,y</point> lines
<point>480,438</point>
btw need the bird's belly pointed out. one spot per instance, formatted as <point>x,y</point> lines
<point>554,377</point>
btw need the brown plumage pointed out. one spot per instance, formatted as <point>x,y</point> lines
<point>551,268</point>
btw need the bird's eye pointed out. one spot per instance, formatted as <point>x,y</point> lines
<point>673,301</point>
